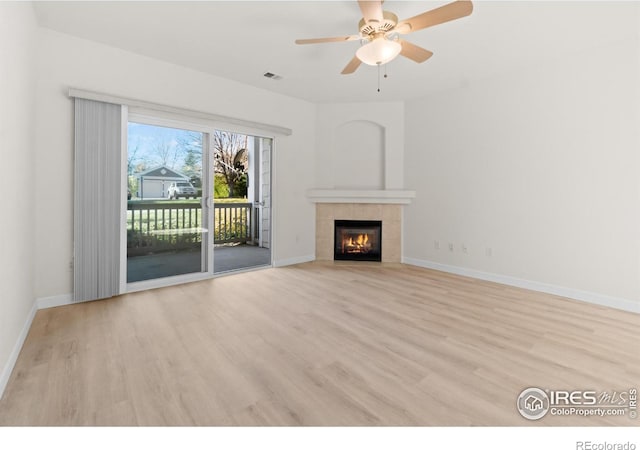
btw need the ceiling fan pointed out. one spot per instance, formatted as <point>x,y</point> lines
<point>381,29</point>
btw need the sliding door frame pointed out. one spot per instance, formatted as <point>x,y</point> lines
<point>207,127</point>
<point>124,186</point>
<point>149,118</point>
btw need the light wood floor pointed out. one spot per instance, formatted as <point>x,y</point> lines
<point>318,344</point>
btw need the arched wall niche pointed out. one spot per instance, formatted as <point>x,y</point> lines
<point>359,155</point>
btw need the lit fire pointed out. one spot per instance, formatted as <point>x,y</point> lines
<point>356,244</point>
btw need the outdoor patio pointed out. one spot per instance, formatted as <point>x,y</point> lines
<point>227,258</point>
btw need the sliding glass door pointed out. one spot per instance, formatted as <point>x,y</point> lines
<point>167,214</point>
<point>198,201</point>
<point>242,203</point>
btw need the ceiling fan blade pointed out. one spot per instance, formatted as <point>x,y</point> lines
<point>413,52</point>
<point>353,37</point>
<point>352,66</point>
<point>371,10</point>
<point>445,13</point>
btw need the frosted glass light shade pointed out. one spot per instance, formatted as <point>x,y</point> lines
<point>379,51</point>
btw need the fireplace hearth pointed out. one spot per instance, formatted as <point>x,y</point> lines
<point>358,240</point>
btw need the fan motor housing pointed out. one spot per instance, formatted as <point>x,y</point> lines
<point>390,20</point>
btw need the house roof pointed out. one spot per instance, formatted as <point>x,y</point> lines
<point>163,172</point>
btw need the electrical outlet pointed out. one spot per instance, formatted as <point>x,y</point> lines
<point>436,245</point>
<point>489,251</point>
<point>450,246</point>
<point>464,248</point>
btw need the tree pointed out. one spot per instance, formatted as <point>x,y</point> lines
<point>193,168</point>
<point>231,158</point>
<point>191,142</point>
<point>220,188</point>
<point>132,161</point>
<point>168,153</point>
<point>132,157</point>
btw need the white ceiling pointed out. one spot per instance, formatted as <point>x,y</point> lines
<point>241,40</point>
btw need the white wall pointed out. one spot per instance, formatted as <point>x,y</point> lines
<point>358,156</point>
<point>541,166</point>
<point>332,136</point>
<point>17,49</point>
<point>66,62</point>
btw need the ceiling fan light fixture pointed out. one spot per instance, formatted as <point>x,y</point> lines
<point>379,51</point>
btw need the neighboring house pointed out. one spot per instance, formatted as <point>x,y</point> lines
<point>154,183</point>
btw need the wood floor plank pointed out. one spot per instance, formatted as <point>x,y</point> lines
<point>336,344</point>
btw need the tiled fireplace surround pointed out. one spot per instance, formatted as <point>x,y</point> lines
<point>360,173</point>
<point>389,214</point>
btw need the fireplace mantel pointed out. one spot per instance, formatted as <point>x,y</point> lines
<point>387,196</point>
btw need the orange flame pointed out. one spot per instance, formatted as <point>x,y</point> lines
<point>359,244</point>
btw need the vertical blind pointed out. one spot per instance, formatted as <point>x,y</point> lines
<point>97,197</point>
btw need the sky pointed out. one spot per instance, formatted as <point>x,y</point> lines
<point>146,143</point>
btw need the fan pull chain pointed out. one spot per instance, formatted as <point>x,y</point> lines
<point>385,75</point>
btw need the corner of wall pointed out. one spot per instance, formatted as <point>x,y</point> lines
<point>18,45</point>
<point>15,352</point>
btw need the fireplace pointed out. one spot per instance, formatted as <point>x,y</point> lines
<point>358,240</point>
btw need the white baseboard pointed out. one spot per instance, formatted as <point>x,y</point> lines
<point>13,357</point>
<point>575,294</point>
<point>56,300</point>
<point>296,260</point>
<point>40,303</point>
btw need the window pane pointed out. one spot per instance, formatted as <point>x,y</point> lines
<point>164,213</point>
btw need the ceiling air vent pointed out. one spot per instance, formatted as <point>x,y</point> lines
<point>271,75</point>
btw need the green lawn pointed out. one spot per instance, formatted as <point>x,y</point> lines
<point>230,200</point>
<point>190,200</point>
